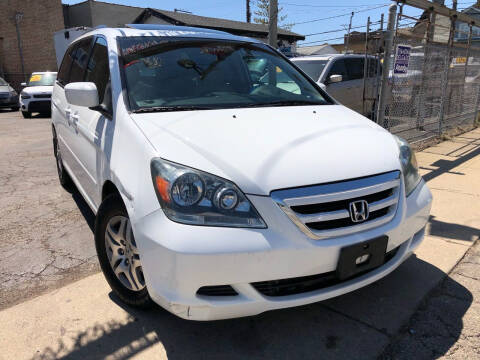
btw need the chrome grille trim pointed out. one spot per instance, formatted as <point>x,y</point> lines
<point>338,192</point>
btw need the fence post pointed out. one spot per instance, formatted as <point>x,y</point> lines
<point>446,72</point>
<point>392,10</point>
<point>365,67</point>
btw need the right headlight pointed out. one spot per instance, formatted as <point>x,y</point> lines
<point>24,96</point>
<point>409,165</point>
<point>191,196</point>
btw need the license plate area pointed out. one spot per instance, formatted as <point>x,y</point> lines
<point>359,258</point>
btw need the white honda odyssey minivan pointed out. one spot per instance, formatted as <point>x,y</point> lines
<point>223,188</point>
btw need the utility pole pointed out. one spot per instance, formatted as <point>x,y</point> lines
<point>387,61</point>
<point>18,18</point>
<point>348,34</point>
<point>272,23</point>
<point>249,14</point>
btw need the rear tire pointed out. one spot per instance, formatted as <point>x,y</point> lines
<point>118,254</point>
<point>26,114</point>
<point>63,176</point>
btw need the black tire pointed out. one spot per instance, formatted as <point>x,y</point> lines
<point>63,176</point>
<point>26,114</point>
<point>112,207</point>
<point>15,108</point>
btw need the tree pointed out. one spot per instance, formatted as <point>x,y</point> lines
<point>261,14</point>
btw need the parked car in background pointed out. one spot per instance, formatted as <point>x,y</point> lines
<point>8,96</point>
<point>342,76</point>
<point>225,182</point>
<point>37,94</point>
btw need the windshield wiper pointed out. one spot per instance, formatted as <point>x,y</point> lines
<point>170,108</point>
<point>281,103</point>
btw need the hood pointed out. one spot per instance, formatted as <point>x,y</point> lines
<point>38,90</point>
<point>263,149</point>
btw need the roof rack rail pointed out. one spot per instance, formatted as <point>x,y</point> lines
<point>172,27</point>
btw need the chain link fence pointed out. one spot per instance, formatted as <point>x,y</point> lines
<point>441,88</point>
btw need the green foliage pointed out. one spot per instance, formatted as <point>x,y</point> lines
<point>260,14</point>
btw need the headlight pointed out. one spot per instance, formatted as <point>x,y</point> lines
<point>194,197</point>
<point>409,165</point>
<point>24,96</point>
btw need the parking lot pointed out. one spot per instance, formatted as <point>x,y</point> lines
<point>47,242</point>
<point>45,231</point>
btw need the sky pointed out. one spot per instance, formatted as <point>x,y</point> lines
<point>308,16</point>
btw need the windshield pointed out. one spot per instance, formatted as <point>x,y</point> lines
<point>185,74</point>
<point>312,68</point>
<point>47,79</point>
<point>3,82</point>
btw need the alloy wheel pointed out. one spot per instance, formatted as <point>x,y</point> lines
<point>123,254</point>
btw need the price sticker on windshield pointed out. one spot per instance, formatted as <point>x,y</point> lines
<point>34,78</point>
<point>402,58</point>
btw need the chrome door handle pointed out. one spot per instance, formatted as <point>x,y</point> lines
<point>74,120</point>
<point>68,113</point>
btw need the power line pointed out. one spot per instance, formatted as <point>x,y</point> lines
<point>323,41</point>
<point>333,31</point>
<point>332,6</point>
<point>337,16</point>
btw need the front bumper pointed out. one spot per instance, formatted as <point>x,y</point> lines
<point>179,259</point>
<point>36,105</point>
<point>9,102</point>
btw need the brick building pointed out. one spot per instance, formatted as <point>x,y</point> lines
<point>37,21</point>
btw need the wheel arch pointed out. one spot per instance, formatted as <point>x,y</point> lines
<point>109,188</point>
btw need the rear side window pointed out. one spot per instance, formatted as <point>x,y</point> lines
<point>80,58</point>
<point>64,71</point>
<point>339,68</point>
<point>355,68</point>
<point>98,70</point>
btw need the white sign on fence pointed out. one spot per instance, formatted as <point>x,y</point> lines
<point>402,58</point>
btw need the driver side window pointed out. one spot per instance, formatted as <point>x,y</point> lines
<point>338,68</point>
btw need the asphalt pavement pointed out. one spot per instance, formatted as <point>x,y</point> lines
<point>46,239</point>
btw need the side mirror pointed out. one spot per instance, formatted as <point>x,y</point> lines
<point>24,84</point>
<point>82,94</point>
<point>335,79</point>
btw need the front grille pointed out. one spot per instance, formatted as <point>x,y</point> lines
<point>42,96</point>
<point>322,211</point>
<point>305,284</point>
<point>217,290</point>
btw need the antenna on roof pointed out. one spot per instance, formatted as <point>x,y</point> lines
<point>183,11</point>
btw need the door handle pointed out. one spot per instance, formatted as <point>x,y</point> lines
<point>68,113</point>
<point>74,120</point>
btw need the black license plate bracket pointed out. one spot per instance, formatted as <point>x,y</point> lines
<point>359,258</point>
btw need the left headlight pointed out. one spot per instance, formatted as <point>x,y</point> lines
<point>409,165</point>
<point>190,196</point>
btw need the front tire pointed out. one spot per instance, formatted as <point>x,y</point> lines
<point>27,114</point>
<point>118,253</point>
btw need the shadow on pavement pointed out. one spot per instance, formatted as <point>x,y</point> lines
<point>452,231</point>
<point>446,166</point>
<point>312,331</point>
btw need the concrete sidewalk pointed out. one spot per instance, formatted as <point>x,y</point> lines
<point>84,320</point>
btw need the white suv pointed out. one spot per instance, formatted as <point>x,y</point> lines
<point>221,190</point>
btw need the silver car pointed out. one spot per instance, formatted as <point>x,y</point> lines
<point>341,75</point>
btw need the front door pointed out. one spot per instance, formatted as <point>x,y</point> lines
<point>91,124</point>
<point>341,91</point>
